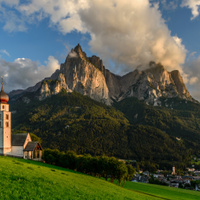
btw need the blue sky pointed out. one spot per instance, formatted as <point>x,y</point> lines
<point>37,35</point>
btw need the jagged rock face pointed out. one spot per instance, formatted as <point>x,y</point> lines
<point>51,87</point>
<point>151,84</point>
<point>88,76</point>
<point>78,74</point>
<point>180,86</point>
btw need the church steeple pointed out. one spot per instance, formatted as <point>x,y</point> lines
<point>5,123</point>
<point>4,98</point>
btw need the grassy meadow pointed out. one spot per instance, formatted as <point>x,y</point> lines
<point>24,179</point>
<point>163,192</point>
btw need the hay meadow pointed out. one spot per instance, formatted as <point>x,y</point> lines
<point>24,179</point>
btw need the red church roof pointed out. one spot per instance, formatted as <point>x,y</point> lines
<point>4,98</point>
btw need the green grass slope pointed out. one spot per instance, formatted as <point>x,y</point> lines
<point>163,192</point>
<point>23,179</point>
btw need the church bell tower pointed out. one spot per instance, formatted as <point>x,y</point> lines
<point>5,123</point>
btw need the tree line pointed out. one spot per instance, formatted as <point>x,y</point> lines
<point>106,167</point>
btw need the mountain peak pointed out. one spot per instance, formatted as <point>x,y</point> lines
<point>78,48</point>
<point>155,67</point>
<point>178,81</point>
<point>79,51</point>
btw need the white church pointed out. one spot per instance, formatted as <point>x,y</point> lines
<point>16,145</point>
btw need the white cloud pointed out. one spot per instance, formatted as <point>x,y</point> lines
<point>193,72</point>
<point>193,5</point>
<point>169,4</point>
<point>4,52</point>
<point>132,33</point>
<point>73,54</point>
<point>193,80</point>
<point>24,72</point>
<point>62,13</point>
<point>12,22</point>
<point>191,55</point>
<point>129,33</point>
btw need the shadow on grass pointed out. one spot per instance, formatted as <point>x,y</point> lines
<point>20,161</point>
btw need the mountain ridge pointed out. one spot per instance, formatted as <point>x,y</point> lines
<point>88,76</point>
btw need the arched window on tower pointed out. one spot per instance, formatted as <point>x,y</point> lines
<point>7,124</point>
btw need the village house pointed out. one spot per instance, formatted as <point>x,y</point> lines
<point>140,178</point>
<point>196,173</point>
<point>17,145</point>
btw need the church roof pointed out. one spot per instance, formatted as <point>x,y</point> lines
<point>4,98</point>
<point>32,145</point>
<point>18,139</point>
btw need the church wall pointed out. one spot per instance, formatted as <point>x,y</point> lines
<point>4,107</point>
<point>7,131</point>
<point>1,132</point>
<point>17,151</point>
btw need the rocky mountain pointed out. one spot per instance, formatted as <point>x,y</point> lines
<point>88,76</point>
<point>151,84</point>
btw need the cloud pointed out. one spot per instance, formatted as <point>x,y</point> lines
<point>169,4</point>
<point>193,80</point>
<point>191,68</point>
<point>129,33</point>
<point>191,55</point>
<point>24,72</point>
<point>72,54</point>
<point>62,13</point>
<point>12,21</point>
<point>4,52</point>
<point>13,24</point>
<point>193,5</point>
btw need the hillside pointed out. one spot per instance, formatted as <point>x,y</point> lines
<point>71,121</point>
<point>162,192</point>
<point>24,179</point>
<point>33,180</point>
<point>176,117</point>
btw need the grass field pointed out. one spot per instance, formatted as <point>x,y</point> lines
<point>163,192</point>
<point>23,179</point>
